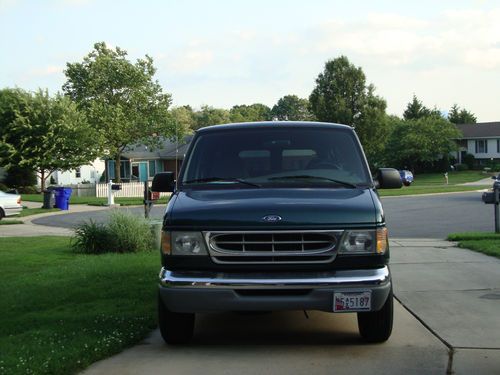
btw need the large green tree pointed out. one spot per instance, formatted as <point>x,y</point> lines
<point>49,134</point>
<point>292,108</point>
<point>208,116</point>
<point>419,142</point>
<point>461,116</point>
<point>184,119</point>
<point>342,95</point>
<point>415,110</point>
<point>121,99</point>
<point>249,113</point>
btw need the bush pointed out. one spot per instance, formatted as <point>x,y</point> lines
<point>124,233</point>
<point>92,238</point>
<point>130,233</point>
<point>461,167</point>
<point>469,160</point>
<point>28,190</point>
<point>3,187</point>
<point>20,177</point>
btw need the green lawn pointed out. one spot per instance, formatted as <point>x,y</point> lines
<point>431,183</point>
<point>88,200</point>
<point>61,311</point>
<point>10,222</point>
<point>35,211</point>
<point>427,179</point>
<point>486,243</point>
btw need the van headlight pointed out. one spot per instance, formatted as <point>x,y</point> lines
<point>186,243</point>
<point>364,242</point>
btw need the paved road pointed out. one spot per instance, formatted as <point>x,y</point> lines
<point>433,216</point>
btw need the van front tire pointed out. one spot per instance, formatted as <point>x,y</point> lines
<point>376,326</point>
<point>175,328</point>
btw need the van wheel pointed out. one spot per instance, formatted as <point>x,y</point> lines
<point>175,328</point>
<point>376,326</point>
<point>2,215</point>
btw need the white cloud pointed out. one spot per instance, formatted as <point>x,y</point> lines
<point>46,71</point>
<point>191,60</point>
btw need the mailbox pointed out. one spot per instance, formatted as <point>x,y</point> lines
<point>116,187</point>
<point>488,198</point>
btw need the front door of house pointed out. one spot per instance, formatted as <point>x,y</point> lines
<point>140,171</point>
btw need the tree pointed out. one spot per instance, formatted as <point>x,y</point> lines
<point>417,142</point>
<point>121,99</point>
<point>341,95</point>
<point>292,108</point>
<point>415,110</point>
<point>461,116</point>
<point>249,113</point>
<point>209,116</point>
<point>184,119</point>
<point>49,134</point>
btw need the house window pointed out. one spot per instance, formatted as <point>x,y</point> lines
<point>498,145</point>
<point>481,146</point>
<point>78,173</point>
<point>152,168</point>
<point>111,169</point>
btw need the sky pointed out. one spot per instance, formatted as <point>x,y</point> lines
<point>224,53</point>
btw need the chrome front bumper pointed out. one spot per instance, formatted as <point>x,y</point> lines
<point>191,291</point>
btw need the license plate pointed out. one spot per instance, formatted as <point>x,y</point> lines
<point>352,301</point>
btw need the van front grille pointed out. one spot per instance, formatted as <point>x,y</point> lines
<point>272,247</point>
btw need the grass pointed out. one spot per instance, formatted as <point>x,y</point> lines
<point>94,201</point>
<point>62,311</point>
<point>486,243</point>
<point>10,222</point>
<point>35,211</point>
<point>432,183</point>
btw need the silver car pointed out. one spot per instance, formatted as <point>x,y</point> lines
<point>10,204</point>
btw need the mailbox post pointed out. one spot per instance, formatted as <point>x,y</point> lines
<point>496,192</point>
<point>494,198</point>
<point>111,197</point>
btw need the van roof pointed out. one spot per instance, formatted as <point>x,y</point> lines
<point>273,124</point>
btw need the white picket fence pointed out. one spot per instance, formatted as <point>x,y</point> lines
<point>129,189</point>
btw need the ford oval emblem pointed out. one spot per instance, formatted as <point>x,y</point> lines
<point>272,218</point>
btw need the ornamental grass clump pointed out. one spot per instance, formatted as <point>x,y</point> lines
<point>123,233</point>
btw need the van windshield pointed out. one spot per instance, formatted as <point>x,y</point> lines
<point>273,157</point>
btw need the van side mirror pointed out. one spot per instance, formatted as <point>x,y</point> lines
<point>163,182</point>
<point>388,178</point>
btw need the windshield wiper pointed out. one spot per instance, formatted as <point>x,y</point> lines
<point>221,179</point>
<point>343,183</point>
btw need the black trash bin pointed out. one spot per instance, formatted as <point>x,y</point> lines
<point>49,199</point>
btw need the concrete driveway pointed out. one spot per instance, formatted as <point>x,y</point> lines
<point>448,322</point>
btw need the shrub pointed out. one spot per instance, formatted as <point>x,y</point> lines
<point>461,167</point>
<point>123,233</point>
<point>3,187</point>
<point>469,160</point>
<point>28,190</point>
<point>92,238</point>
<point>19,177</point>
<point>130,233</point>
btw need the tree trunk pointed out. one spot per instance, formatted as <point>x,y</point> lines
<point>42,179</point>
<point>117,168</point>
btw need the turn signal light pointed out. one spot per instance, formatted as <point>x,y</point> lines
<point>382,240</point>
<point>165,243</point>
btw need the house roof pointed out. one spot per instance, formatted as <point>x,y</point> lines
<point>167,150</point>
<point>480,130</point>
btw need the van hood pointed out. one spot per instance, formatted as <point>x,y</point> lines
<point>288,208</point>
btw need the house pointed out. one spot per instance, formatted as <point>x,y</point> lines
<point>140,163</point>
<point>90,173</point>
<point>481,140</point>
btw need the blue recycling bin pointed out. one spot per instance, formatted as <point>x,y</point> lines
<point>62,197</point>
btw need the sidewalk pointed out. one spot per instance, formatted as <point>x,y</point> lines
<point>456,294</point>
<point>28,229</point>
